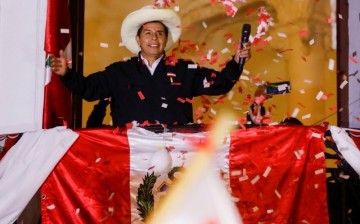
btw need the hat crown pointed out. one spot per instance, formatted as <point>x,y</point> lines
<point>148,13</point>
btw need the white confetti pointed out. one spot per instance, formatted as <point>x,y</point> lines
<point>280,55</point>
<point>64,30</point>
<point>177,8</point>
<point>331,64</point>
<point>268,39</point>
<point>51,207</point>
<point>235,199</point>
<point>319,171</point>
<point>276,60</point>
<point>204,24</point>
<point>247,72</point>
<point>104,45</point>
<point>307,116</point>
<point>236,173</point>
<point>311,42</point>
<point>229,41</point>
<point>319,155</point>
<point>206,83</point>
<point>208,56</point>
<point>343,84</point>
<point>255,208</point>
<point>98,160</point>
<point>164,105</point>
<point>121,44</point>
<point>77,211</point>
<point>277,193</point>
<point>302,91</point>
<point>242,178</point>
<point>192,66</point>
<point>319,95</point>
<point>297,155</point>
<point>295,112</point>
<point>230,95</point>
<point>316,135</point>
<point>213,111</point>
<point>225,50</point>
<point>255,179</point>
<point>316,186</point>
<point>307,81</point>
<point>269,211</point>
<point>244,77</point>
<point>111,196</point>
<point>283,35</point>
<point>267,171</point>
<point>340,16</point>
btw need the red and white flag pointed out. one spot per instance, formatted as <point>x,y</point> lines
<point>57,99</point>
<point>274,175</point>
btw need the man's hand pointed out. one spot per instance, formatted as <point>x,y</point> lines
<point>243,52</point>
<point>59,64</point>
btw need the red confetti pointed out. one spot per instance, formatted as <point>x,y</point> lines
<point>181,100</point>
<point>354,60</point>
<point>141,95</point>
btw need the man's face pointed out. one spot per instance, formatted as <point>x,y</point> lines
<point>152,40</point>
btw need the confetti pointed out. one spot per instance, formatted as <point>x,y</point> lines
<point>315,135</point>
<point>283,35</point>
<point>77,211</point>
<point>267,171</point>
<point>269,211</point>
<point>104,45</point>
<point>331,64</point>
<point>230,95</point>
<point>306,116</point>
<point>51,207</point>
<point>255,208</point>
<point>192,66</point>
<point>64,30</point>
<point>243,178</point>
<point>319,155</point>
<point>235,173</point>
<point>277,193</point>
<point>204,24</point>
<point>225,50</point>
<point>319,95</point>
<point>312,42</point>
<point>141,95</point>
<point>295,112</point>
<point>98,160</point>
<point>319,171</point>
<point>255,179</point>
<point>164,105</point>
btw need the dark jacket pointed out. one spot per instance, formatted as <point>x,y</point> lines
<point>166,97</point>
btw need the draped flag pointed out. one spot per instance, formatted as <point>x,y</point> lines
<point>57,99</point>
<point>274,174</point>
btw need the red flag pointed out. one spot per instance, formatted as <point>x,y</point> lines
<point>57,99</point>
<point>276,175</point>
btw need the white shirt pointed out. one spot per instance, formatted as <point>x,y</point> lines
<point>154,65</point>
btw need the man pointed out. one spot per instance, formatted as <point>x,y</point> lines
<point>149,88</point>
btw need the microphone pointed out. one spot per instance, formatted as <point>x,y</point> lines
<point>244,39</point>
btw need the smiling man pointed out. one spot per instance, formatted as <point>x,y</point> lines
<point>147,88</point>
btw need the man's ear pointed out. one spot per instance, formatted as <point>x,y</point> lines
<point>138,40</point>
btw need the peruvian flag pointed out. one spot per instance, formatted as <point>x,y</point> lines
<point>273,174</point>
<point>57,99</point>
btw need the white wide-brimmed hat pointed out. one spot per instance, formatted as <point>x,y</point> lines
<point>136,19</point>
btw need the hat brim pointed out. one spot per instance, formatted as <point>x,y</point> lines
<point>136,19</point>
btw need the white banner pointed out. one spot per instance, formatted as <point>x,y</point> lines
<point>22,62</point>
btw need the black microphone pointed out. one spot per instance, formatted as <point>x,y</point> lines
<point>244,39</point>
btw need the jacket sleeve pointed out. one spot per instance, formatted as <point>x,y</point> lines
<point>211,82</point>
<point>93,87</point>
